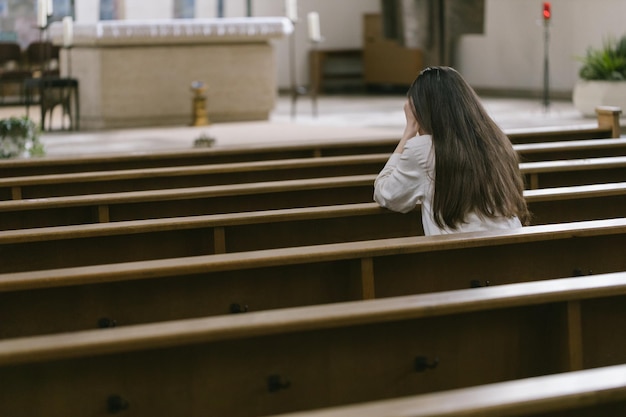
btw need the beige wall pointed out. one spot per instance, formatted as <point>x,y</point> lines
<point>509,56</point>
<point>510,53</point>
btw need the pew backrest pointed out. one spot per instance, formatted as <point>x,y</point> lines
<point>166,289</point>
<point>587,393</point>
<point>156,335</point>
<point>377,349</point>
<point>234,232</point>
<point>90,208</point>
<point>39,186</point>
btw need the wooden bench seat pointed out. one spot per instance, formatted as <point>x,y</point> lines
<point>607,127</point>
<point>41,186</point>
<point>166,289</point>
<point>93,208</point>
<point>588,393</point>
<point>235,232</point>
<point>320,356</point>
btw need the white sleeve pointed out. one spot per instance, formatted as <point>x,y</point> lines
<point>402,183</point>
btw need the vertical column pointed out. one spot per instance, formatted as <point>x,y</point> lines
<point>574,336</point>
<point>608,117</point>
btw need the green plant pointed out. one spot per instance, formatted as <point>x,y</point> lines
<point>606,63</point>
<point>19,136</point>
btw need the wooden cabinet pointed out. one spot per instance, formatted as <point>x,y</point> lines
<point>385,61</point>
<point>339,68</point>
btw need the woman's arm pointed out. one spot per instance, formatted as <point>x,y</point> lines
<point>400,184</point>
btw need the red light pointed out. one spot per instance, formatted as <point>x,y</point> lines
<point>547,14</point>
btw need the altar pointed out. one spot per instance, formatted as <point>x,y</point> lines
<point>139,73</point>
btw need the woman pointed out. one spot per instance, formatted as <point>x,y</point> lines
<point>454,160</point>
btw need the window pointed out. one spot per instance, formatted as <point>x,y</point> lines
<point>184,9</point>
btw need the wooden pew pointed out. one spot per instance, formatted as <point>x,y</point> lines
<point>574,172</point>
<point>588,393</point>
<point>608,119</point>
<point>571,149</point>
<point>607,127</point>
<point>41,186</point>
<point>91,208</point>
<point>188,176</point>
<point>69,299</point>
<point>235,232</point>
<point>320,356</point>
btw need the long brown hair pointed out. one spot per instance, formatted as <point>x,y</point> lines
<point>476,167</point>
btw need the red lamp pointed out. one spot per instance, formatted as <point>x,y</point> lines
<point>547,13</point>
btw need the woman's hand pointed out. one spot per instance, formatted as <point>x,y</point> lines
<point>412,127</point>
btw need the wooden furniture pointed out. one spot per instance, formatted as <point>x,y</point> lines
<point>141,240</point>
<point>69,299</point>
<point>52,92</point>
<point>319,356</point>
<point>571,149</point>
<point>607,127</point>
<point>551,172</point>
<point>191,201</point>
<point>13,69</point>
<point>573,172</point>
<point>588,393</point>
<point>335,66</point>
<point>43,59</point>
<point>385,61</point>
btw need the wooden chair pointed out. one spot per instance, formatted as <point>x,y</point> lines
<point>52,92</point>
<point>43,58</point>
<point>46,84</point>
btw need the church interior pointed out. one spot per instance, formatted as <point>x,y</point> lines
<point>187,224</point>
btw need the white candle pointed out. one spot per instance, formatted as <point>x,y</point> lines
<point>49,8</point>
<point>42,13</point>
<point>68,31</point>
<point>291,10</point>
<point>315,34</point>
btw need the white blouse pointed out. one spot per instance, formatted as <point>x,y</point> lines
<point>408,180</point>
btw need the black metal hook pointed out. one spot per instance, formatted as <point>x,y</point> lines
<point>106,323</point>
<point>276,383</point>
<point>578,272</point>
<point>422,364</point>
<point>236,308</point>
<point>117,404</point>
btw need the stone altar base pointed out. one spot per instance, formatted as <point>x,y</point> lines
<point>138,74</point>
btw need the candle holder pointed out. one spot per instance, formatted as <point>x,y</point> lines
<point>68,54</point>
<point>296,90</point>
<point>547,15</point>
<point>314,43</point>
<point>44,51</point>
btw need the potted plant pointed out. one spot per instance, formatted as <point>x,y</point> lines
<point>602,77</point>
<point>19,137</point>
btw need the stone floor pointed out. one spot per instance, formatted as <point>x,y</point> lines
<point>339,117</point>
